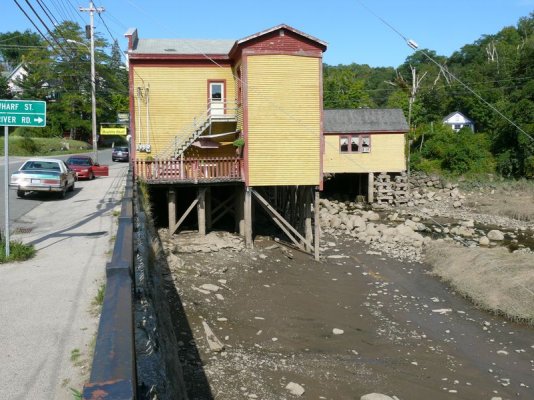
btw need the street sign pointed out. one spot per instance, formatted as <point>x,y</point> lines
<point>113,131</point>
<point>29,113</point>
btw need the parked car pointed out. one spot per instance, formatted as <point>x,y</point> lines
<point>43,175</point>
<point>120,153</point>
<point>86,168</point>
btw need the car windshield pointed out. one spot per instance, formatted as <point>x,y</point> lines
<point>123,149</point>
<point>32,165</point>
<point>85,162</point>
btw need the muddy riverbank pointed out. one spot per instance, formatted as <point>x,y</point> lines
<point>355,323</point>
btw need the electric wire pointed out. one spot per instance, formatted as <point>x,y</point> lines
<point>445,70</point>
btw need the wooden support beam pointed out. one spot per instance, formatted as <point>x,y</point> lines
<point>308,230</point>
<point>240,211</point>
<point>225,208</point>
<point>184,216</point>
<point>371,188</point>
<point>271,211</point>
<point>317,226</point>
<point>171,205</point>
<point>248,217</point>
<point>209,214</point>
<point>201,211</point>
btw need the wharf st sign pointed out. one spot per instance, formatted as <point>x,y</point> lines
<point>29,113</point>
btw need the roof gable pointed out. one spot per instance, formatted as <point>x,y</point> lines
<point>456,117</point>
<point>364,120</point>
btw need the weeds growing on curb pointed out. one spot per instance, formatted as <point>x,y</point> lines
<point>99,298</point>
<point>76,394</point>
<point>18,251</point>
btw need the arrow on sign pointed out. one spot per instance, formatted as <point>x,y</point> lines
<point>38,120</point>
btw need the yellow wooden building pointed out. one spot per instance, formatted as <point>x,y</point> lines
<point>359,143</point>
<point>244,112</point>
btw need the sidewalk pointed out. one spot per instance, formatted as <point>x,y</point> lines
<point>45,311</point>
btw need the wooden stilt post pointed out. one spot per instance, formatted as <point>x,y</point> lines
<point>171,204</point>
<point>371,188</point>
<point>240,211</point>
<point>247,204</point>
<point>209,215</point>
<point>201,211</point>
<point>317,222</point>
<point>308,217</point>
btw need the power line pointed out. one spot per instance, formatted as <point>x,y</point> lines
<point>413,45</point>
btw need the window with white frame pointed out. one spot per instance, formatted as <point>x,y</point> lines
<point>355,144</point>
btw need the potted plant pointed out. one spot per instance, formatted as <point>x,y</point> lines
<point>239,143</point>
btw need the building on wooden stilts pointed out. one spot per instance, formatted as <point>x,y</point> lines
<point>224,127</point>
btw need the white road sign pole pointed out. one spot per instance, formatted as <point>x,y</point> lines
<point>6,188</point>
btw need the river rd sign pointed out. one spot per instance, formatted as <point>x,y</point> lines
<point>29,113</point>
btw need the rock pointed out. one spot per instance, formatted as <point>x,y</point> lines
<point>337,331</point>
<point>495,235</point>
<point>371,216</point>
<point>484,241</point>
<point>210,287</point>
<point>295,389</point>
<point>457,204</point>
<point>214,343</point>
<point>375,396</point>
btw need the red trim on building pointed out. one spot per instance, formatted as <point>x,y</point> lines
<point>158,56</point>
<point>180,63</point>
<point>244,77</point>
<point>364,133</point>
<point>322,144</point>
<point>132,116</point>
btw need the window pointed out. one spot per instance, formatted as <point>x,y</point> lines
<point>358,144</point>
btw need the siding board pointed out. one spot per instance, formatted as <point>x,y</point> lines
<point>387,155</point>
<point>176,97</point>
<point>284,125</point>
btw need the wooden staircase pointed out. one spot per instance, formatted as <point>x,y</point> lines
<point>201,124</point>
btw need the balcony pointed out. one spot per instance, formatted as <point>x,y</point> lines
<point>190,170</point>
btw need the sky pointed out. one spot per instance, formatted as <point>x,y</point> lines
<point>357,31</point>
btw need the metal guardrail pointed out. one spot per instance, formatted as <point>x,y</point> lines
<point>113,373</point>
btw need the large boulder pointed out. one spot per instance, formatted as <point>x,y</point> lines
<point>495,235</point>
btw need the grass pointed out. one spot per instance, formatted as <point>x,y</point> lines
<point>76,394</point>
<point>493,279</point>
<point>26,146</point>
<point>75,357</point>
<point>99,298</point>
<point>17,251</point>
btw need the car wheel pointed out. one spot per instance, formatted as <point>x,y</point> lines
<point>71,189</point>
<point>20,193</point>
<point>63,192</point>
<point>92,176</point>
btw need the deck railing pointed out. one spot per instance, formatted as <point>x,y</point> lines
<point>190,169</point>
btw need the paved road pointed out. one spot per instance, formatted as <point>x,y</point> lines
<point>45,309</point>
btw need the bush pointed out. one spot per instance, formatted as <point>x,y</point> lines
<point>27,146</point>
<point>455,152</point>
<point>529,167</point>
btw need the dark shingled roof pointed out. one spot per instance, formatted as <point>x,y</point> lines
<point>364,120</point>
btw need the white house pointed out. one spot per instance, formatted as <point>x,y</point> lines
<point>457,121</point>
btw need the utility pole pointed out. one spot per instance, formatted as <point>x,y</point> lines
<point>91,10</point>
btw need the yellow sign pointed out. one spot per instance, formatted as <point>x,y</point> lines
<point>113,131</point>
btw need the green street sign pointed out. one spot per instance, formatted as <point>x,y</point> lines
<point>30,113</point>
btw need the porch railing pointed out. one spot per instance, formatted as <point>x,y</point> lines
<point>190,169</point>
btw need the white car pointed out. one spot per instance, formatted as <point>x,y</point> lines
<point>43,175</point>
